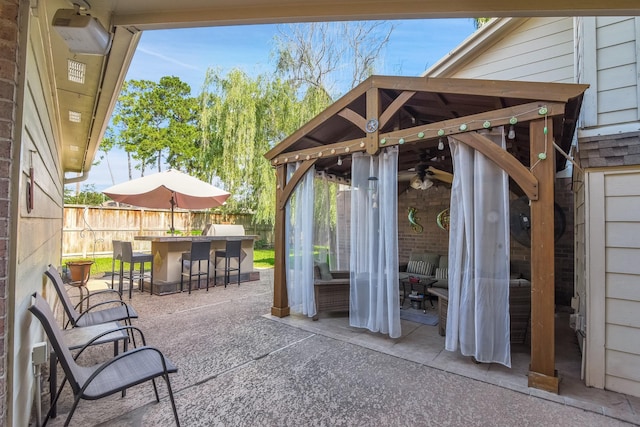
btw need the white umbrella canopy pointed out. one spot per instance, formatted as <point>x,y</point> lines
<point>166,190</point>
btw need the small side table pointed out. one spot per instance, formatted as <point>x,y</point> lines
<point>418,299</point>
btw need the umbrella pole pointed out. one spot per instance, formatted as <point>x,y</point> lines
<point>173,203</point>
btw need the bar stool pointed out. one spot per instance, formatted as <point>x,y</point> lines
<point>117,256</point>
<point>199,252</point>
<point>131,258</point>
<point>233,249</point>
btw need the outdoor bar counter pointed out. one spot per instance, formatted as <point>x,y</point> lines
<point>167,255</point>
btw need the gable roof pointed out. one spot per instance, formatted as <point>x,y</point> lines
<point>413,111</point>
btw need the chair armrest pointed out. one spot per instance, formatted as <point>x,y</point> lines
<point>341,274</point>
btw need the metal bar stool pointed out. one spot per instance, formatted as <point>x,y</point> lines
<point>117,256</point>
<point>200,251</point>
<point>131,258</point>
<point>233,249</point>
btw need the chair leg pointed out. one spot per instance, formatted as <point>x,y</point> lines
<point>113,270</point>
<point>208,266</point>
<point>120,285</point>
<point>151,279</point>
<point>190,272</point>
<point>173,402</point>
<point>130,279</point>
<point>73,409</point>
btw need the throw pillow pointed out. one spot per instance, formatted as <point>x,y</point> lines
<point>442,273</point>
<point>411,267</point>
<point>428,270</point>
<point>325,273</point>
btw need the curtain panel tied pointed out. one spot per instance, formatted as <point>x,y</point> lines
<point>478,313</point>
<point>375,299</point>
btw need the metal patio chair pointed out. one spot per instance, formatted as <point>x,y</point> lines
<point>114,310</point>
<point>121,372</point>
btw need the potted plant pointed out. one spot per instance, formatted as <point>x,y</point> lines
<point>79,269</point>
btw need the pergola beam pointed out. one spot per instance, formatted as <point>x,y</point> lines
<point>520,174</point>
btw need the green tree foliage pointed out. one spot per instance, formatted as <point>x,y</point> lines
<point>479,22</point>
<point>242,118</point>
<point>156,123</point>
<point>87,196</point>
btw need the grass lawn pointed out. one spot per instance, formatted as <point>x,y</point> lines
<point>262,258</point>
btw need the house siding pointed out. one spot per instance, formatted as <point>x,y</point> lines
<point>609,48</point>
<point>622,281</point>
<point>540,49</point>
<point>40,229</point>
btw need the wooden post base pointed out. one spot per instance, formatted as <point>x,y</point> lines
<point>280,312</point>
<point>544,382</point>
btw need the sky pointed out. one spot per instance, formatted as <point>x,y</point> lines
<point>414,46</point>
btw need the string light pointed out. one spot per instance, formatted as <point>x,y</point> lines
<point>339,160</point>
<point>441,132</point>
<point>463,127</point>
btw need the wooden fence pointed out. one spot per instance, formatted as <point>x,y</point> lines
<point>89,230</point>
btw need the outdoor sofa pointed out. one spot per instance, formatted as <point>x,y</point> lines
<point>427,265</point>
<point>331,289</point>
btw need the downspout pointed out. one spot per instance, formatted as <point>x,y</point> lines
<point>83,177</point>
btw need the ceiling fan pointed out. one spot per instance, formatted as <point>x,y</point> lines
<point>425,174</point>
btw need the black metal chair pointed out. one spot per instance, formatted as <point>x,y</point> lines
<point>131,274</point>
<point>233,250</point>
<point>123,371</point>
<point>200,251</point>
<point>113,310</point>
<point>117,256</point>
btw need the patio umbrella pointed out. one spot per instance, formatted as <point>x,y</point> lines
<point>167,190</point>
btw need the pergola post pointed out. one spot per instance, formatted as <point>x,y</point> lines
<point>542,373</point>
<point>280,299</point>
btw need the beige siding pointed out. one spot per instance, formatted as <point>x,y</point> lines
<point>611,48</point>
<point>580,292</point>
<point>540,49</point>
<point>622,281</point>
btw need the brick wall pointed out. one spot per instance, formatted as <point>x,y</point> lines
<point>8,79</point>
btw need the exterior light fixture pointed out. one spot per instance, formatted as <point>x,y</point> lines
<point>83,34</point>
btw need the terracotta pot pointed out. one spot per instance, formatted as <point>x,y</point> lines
<point>79,270</point>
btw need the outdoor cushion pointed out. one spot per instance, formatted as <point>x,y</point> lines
<point>322,272</point>
<point>442,273</point>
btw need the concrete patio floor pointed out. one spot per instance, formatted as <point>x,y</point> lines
<point>240,366</point>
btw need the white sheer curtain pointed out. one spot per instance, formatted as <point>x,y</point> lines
<point>478,314</point>
<point>322,231</point>
<point>375,300</point>
<point>299,244</point>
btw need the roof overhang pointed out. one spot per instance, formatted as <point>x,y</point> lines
<point>126,19</point>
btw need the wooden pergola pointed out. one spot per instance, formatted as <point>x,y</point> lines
<point>414,113</point>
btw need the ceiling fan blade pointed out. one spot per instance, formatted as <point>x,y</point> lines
<point>440,175</point>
